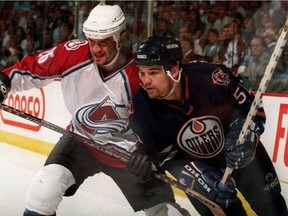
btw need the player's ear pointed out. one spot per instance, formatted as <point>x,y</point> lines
<point>122,39</point>
<point>175,71</point>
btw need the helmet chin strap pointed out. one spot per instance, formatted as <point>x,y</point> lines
<point>116,56</point>
<point>176,81</point>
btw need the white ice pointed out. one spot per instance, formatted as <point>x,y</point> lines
<point>98,196</point>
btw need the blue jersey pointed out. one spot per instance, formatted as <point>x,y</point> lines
<point>213,98</point>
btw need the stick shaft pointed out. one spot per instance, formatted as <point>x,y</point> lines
<point>61,130</point>
<point>259,94</point>
<point>215,209</point>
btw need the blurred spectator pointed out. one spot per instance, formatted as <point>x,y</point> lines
<point>161,28</point>
<point>210,22</point>
<point>12,45</point>
<point>260,21</point>
<point>7,34</point>
<point>198,40</point>
<point>260,16</point>
<point>174,21</point>
<point>211,49</point>
<point>2,30</point>
<point>195,22</point>
<point>236,10</point>
<point>270,37</point>
<point>10,54</point>
<point>65,33</point>
<point>56,31</point>
<point>6,60</point>
<point>194,5</point>
<point>18,53</point>
<point>204,10</point>
<point>39,31</point>
<point>237,48</point>
<point>270,11</point>
<point>138,34</point>
<point>224,39</point>
<point>253,69</point>
<point>184,17</point>
<point>223,18</point>
<point>70,23</point>
<point>184,32</point>
<point>270,25</point>
<point>23,18</point>
<point>21,5</point>
<point>280,79</point>
<point>47,42</point>
<point>187,45</point>
<point>28,45</point>
<point>249,29</point>
<point>31,26</point>
<point>20,35</point>
<point>252,73</point>
<point>30,33</point>
<point>278,13</point>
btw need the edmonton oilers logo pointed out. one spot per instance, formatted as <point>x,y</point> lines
<point>202,137</point>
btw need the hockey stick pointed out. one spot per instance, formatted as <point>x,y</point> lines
<point>214,208</point>
<point>258,96</point>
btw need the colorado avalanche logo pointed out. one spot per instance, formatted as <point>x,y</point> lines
<point>202,137</point>
<point>219,77</point>
<point>75,44</point>
<point>102,118</point>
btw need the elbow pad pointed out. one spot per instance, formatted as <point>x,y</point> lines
<point>5,86</point>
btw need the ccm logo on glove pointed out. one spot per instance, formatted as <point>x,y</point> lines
<point>204,179</point>
<point>197,175</point>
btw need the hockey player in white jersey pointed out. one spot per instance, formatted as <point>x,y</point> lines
<point>98,79</point>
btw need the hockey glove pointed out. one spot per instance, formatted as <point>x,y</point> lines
<point>5,85</point>
<point>141,167</point>
<point>239,156</point>
<point>204,180</point>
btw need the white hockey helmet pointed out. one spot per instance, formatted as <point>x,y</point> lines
<point>105,21</point>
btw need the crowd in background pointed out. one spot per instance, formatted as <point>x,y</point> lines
<point>240,34</point>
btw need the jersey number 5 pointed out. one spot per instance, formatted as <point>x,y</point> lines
<point>239,95</point>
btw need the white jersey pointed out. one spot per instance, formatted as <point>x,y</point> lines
<point>98,104</point>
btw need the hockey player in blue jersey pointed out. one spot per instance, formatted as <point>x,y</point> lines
<point>188,118</point>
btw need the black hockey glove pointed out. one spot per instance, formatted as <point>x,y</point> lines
<point>141,167</point>
<point>240,156</point>
<point>204,180</point>
<point>5,85</point>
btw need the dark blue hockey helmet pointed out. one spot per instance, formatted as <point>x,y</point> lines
<point>156,50</point>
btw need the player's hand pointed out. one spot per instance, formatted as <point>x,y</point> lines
<point>141,167</point>
<point>204,180</point>
<point>239,156</point>
<point>5,85</point>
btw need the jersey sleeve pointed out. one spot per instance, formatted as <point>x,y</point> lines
<point>141,119</point>
<point>242,98</point>
<point>40,69</point>
<point>134,80</point>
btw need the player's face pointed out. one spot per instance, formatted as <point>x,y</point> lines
<point>155,81</point>
<point>103,50</point>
